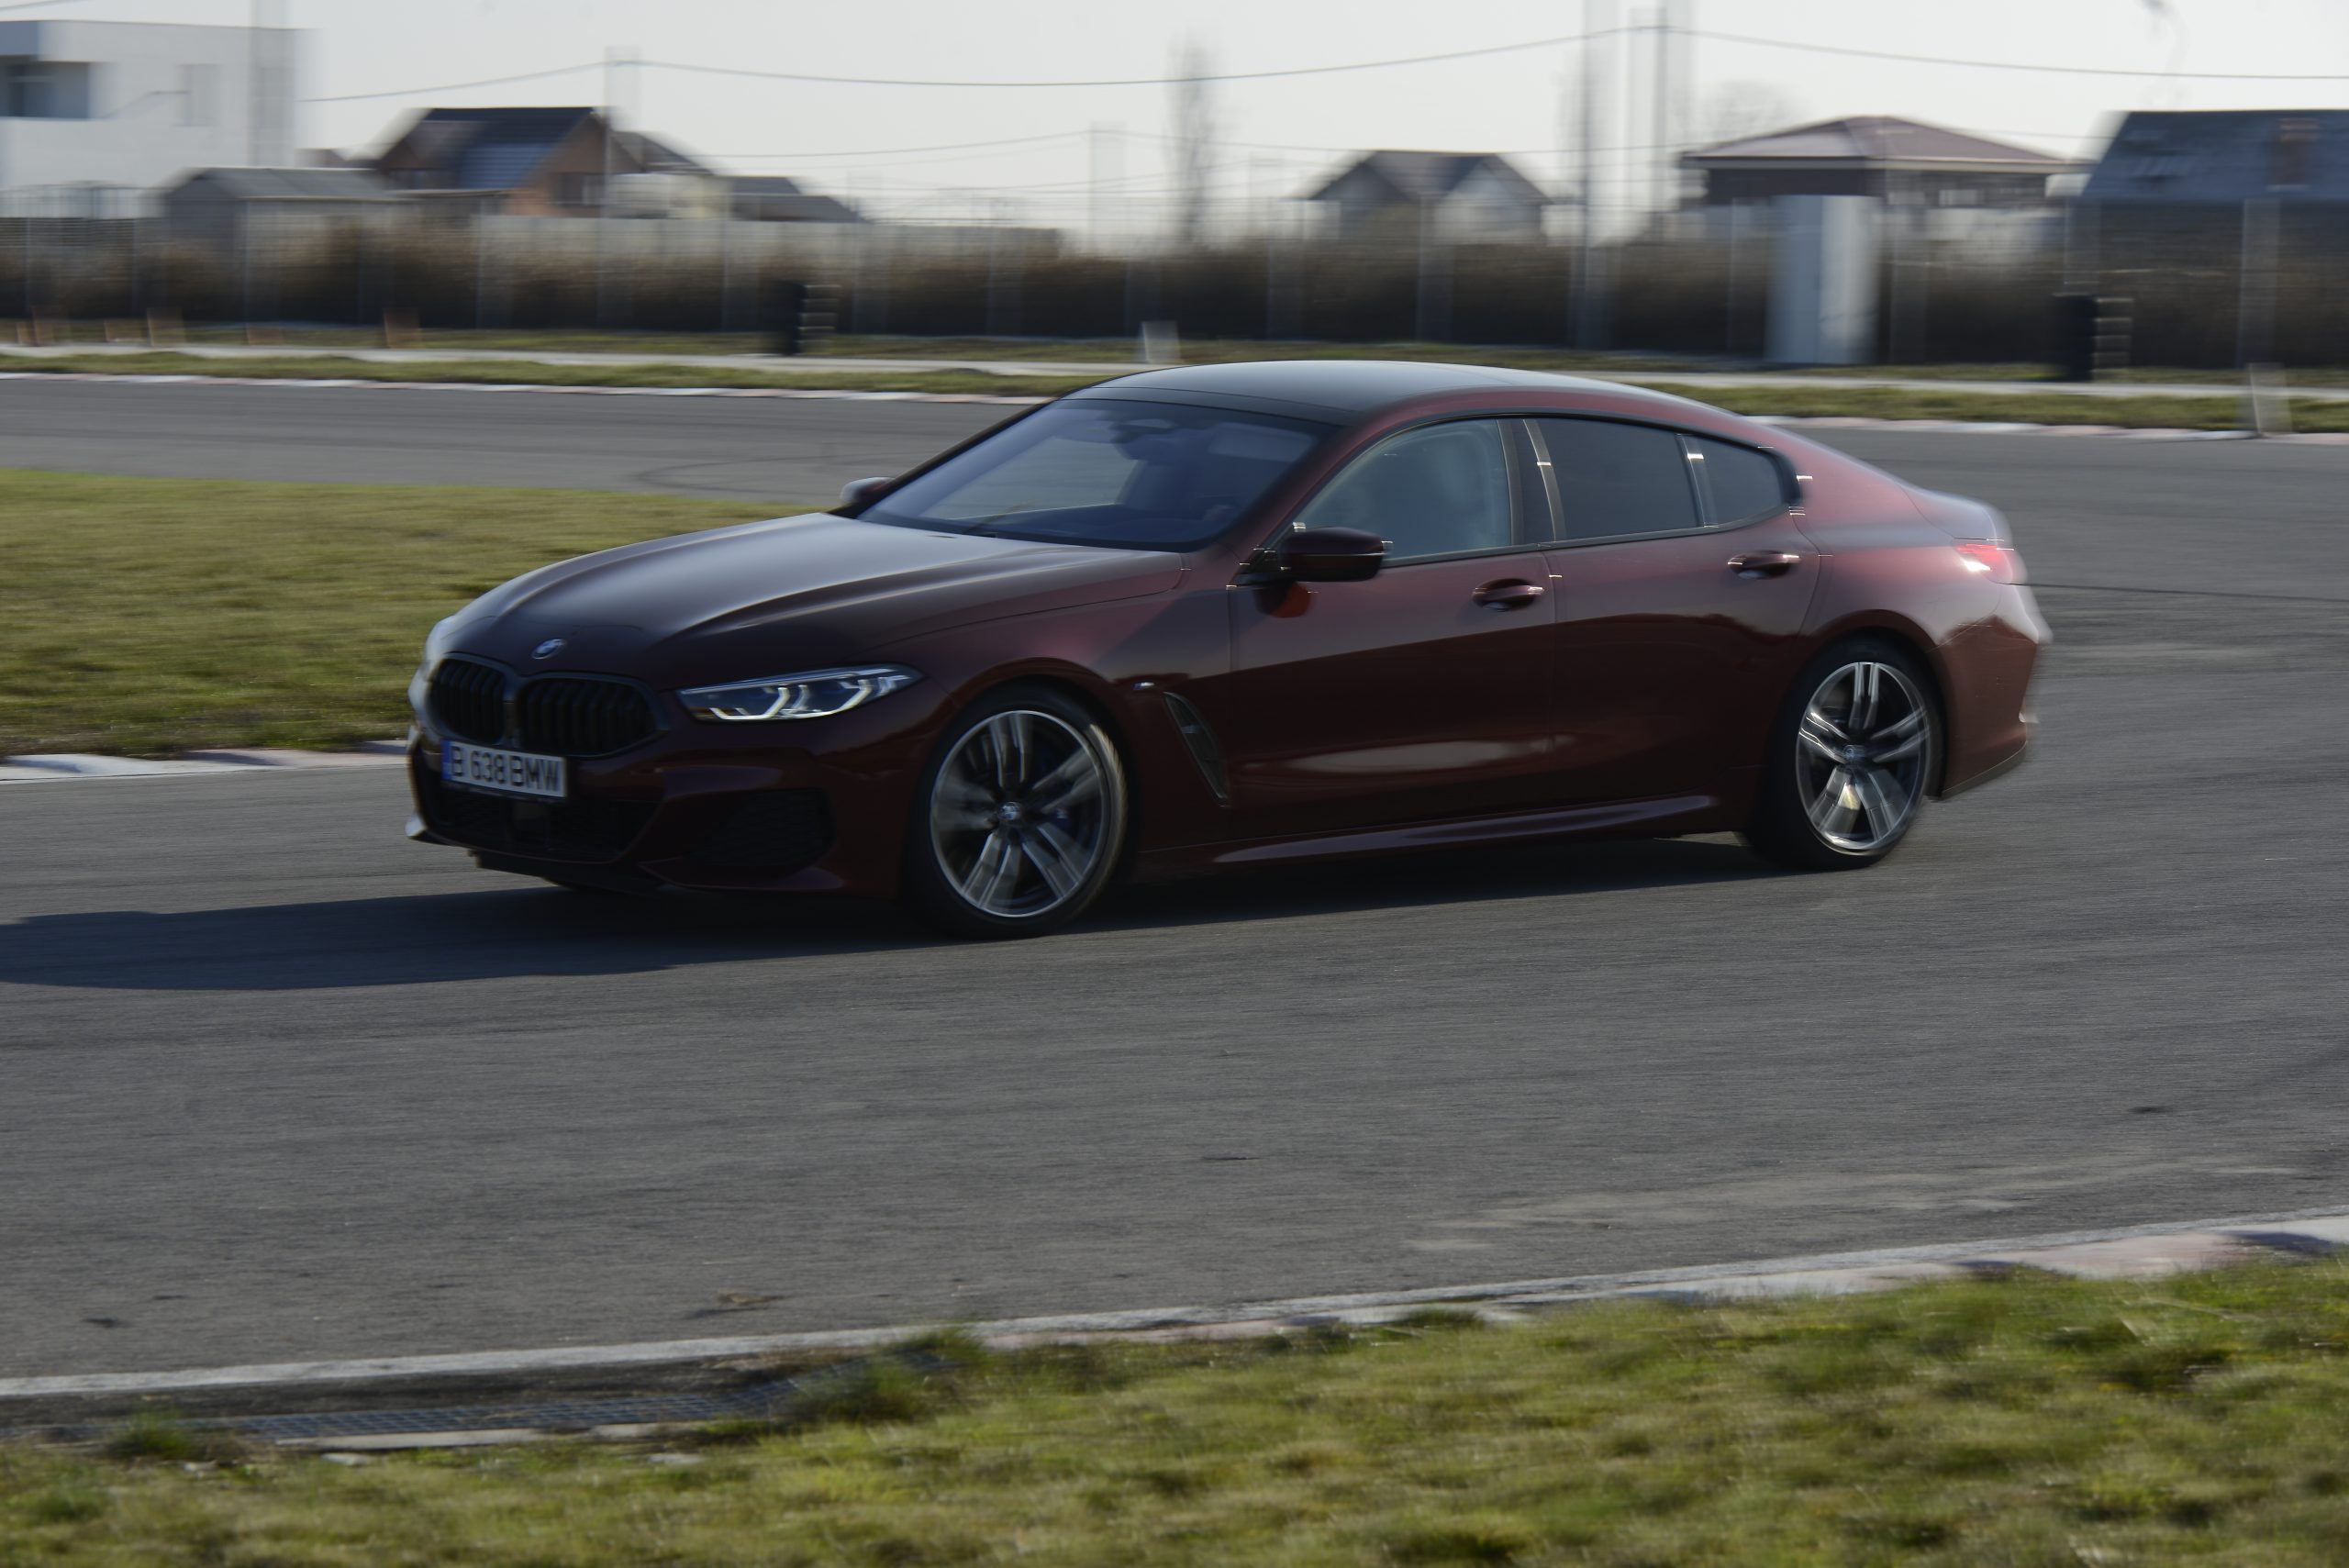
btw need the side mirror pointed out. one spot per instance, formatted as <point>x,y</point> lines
<point>1331,555</point>
<point>858,492</point>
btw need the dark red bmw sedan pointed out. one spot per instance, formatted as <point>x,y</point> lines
<point>1242,615</point>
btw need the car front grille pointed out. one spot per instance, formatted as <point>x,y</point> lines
<point>547,829</point>
<point>581,716</point>
<point>565,715</point>
<point>778,831</point>
<point>469,700</point>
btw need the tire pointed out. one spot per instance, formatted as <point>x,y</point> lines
<point>1836,795</point>
<point>1020,819</point>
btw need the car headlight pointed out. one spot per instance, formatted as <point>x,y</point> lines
<point>818,693</point>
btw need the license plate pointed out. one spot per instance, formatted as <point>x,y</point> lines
<point>502,772</point>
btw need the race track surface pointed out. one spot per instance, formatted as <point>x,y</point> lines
<point>278,1084</point>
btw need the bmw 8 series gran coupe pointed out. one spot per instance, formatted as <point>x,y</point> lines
<point>1238,615</point>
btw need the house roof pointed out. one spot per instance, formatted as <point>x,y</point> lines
<point>290,184</point>
<point>488,149</point>
<point>1417,177</point>
<point>776,199</point>
<point>1874,141</point>
<point>2225,155</point>
<point>655,156</point>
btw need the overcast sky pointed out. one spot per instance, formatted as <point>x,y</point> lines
<point>840,137</point>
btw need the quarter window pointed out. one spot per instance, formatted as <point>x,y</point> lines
<point>1617,479</point>
<point>1440,490</point>
<point>1739,483</point>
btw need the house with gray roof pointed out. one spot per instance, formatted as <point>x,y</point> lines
<point>223,208</point>
<point>523,161</point>
<point>777,198</point>
<point>1452,196</point>
<point>2224,158</point>
<point>1899,162</point>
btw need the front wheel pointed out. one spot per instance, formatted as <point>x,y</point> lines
<point>1020,818</point>
<point>1850,761</point>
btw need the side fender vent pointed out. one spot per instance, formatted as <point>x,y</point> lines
<point>1205,750</point>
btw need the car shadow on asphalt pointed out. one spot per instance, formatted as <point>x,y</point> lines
<point>526,930</point>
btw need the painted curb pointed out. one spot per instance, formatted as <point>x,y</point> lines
<point>2136,1252</point>
<point>52,767</point>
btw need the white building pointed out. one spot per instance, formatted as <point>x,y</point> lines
<point>94,115</point>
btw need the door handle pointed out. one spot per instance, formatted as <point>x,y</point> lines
<point>1765,563</point>
<point>1509,594</point>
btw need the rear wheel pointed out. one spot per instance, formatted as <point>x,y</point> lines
<point>1020,819</point>
<point>1850,761</point>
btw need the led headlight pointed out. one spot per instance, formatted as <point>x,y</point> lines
<point>819,694</point>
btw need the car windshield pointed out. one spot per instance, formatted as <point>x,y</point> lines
<point>1099,470</point>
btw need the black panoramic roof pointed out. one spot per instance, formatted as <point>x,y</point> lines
<point>1345,389</point>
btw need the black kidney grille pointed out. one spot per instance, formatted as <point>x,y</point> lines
<point>574,715</point>
<point>469,700</point>
<point>779,831</point>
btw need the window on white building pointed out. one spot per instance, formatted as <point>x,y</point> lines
<point>44,89</point>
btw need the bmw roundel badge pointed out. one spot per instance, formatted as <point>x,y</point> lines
<point>547,650</point>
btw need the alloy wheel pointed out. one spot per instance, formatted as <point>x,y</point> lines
<point>1019,815</point>
<point>1861,753</point>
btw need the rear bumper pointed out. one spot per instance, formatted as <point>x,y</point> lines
<point>2000,768</point>
<point>1988,691</point>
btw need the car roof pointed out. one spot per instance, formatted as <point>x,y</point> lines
<point>1344,390</point>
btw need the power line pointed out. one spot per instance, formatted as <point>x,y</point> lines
<point>884,151</point>
<point>2008,64</point>
<point>1138,81</point>
<point>461,86</point>
<point>1482,51</point>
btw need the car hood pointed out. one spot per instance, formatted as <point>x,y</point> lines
<point>791,593</point>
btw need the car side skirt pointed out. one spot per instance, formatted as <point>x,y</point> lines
<point>1664,816</point>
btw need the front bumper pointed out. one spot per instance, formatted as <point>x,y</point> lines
<point>720,809</point>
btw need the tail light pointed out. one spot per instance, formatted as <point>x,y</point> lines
<point>1997,562</point>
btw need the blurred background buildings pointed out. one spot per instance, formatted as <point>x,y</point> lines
<point>154,167</point>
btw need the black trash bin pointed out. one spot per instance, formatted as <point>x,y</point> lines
<point>782,310</point>
<point>2091,335</point>
<point>794,315</point>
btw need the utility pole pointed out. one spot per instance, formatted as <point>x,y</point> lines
<point>614,58</point>
<point>1192,133</point>
<point>1660,110</point>
<point>1590,302</point>
<point>1098,150</point>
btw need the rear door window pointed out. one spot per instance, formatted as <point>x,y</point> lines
<point>1739,483</point>
<point>1616,478</point>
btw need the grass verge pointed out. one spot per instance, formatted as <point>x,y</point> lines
<point>1760,396</point>
<point>147,617</point>
<point>524,372</point>
<point>2141,413</point>
<point>1116,349</point>
<point>2027,1420</point>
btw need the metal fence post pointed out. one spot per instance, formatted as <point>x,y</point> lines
<point>2255,282</point>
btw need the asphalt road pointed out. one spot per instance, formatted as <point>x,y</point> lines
<point>278,1084</point>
